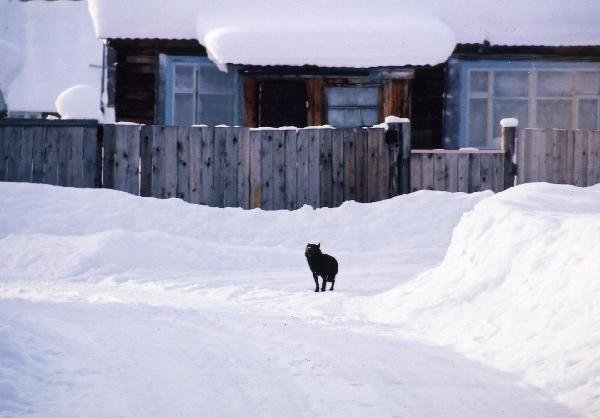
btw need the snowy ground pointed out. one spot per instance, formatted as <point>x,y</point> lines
<point>116,305</point>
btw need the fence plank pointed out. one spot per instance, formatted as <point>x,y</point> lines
<point>207,149</point>
<point>439,172</point>
<point>349,163</point>
<point>279,169</point>
<point>384,165</point>
<point>325,169</point>
<point>39,154</point>
<point>337,162</point>
<point>64,156</point>
<point>553,155</point>
<point>183,163</point>
<point>13,151</point>
<point>146,141</point>
<point>544,154</point>
<point>291,168</point>
<point>593,165</point>
<point>532,151</point>
<point>255,169</point>
<point>127,154</point>
<point>230,194</point>
<point>52,146</point>
<point>25,157</point>
<point>158,161</point>
<point>580,158</point>
<point>416,172</point>
<point>404,162</point>
<point>498,167</point>
<point>3,151</point>
<point>451,173</point>
<point>76,168</point>
<point>567,161</point>
<point>463,173</point>
<point>243,159</point>
<point>373,157</point>
<point>521,157</point>
<point>92,165</point>
<point>361,157</point>
<point>170,162</point>
<point>266,169</point>
<point>474,172</point>
<point>486,171</point>
<point>314,192</point>
<point>194,163</point>
<point>108,164</point>
<point>302,145</point>
<point>428,171</point>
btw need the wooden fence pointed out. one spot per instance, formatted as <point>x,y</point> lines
<point>458,170</point>
<point>239,167</point>
<point>282,169</point>
<point>67,154</point>
<point>221,166</point>
<point>558,156</point>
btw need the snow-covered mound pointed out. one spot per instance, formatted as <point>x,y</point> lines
<point>79,102</point>
<point>519,290</point>
<point>446,305</point>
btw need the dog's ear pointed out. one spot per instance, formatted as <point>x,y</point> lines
<point>319,245</point>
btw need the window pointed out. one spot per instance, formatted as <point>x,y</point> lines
<point>197,92</point>
<point>352,106</point>
<point>544,95</point>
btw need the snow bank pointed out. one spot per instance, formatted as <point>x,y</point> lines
<point>79,102</point>
<point>518,289</point>
<point>58,46</point>
<point>79,234</point>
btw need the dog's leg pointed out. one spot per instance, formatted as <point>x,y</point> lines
<point>323,287</point>
<point>316,282</point>
<point>332,283</point>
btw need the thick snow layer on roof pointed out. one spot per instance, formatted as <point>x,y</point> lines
<point>340,33</point>
<point>58,47</point>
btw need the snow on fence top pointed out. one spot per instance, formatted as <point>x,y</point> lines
<point>341,33</point>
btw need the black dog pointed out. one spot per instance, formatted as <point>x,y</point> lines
<point>321,265</point>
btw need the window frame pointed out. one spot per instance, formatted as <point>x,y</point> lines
<point>167,88</point>
<point>372,85</point>
<point>533,68</point>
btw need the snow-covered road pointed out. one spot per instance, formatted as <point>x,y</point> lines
<point>115,305</point>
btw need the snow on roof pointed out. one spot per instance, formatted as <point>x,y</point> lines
<point>58,49</point>
<point>342,33</point>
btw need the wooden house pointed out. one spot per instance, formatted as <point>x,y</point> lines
<point>538,62</point>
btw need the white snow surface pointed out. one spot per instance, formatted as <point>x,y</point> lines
<point>509,122</point>
<point>342,33</point>
<point>79,102</point>
<point>58,49</point>
<point>446,305</point>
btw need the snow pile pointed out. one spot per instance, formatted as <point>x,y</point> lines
<point>518,289</point>
<point>58,47</point>
<point>79,102</point>
<point>478,305</point>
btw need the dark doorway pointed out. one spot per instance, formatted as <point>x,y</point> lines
<point>282,103</point>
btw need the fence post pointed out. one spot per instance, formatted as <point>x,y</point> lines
<point>509,138</point>
<point>398,136</point>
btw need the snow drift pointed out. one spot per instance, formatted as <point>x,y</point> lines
<point>518,289</point>
<point>504,286</point>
